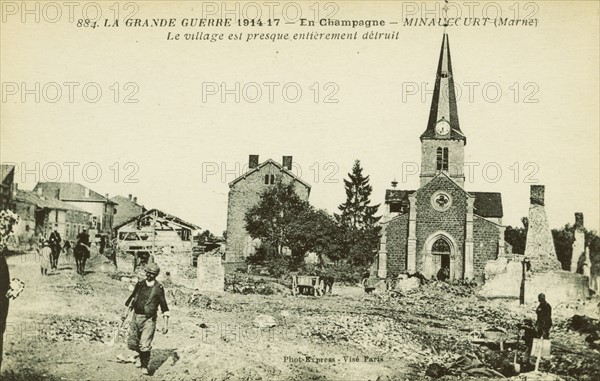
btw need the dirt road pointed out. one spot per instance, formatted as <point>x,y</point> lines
<point>61,326</point>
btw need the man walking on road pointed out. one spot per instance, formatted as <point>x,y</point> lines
<point>145,299</point>
<point>544,318</point>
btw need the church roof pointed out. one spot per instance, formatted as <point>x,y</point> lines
<point>276,164</point>
<point>396,195</point>
<point>488,204</point>
<point>443,104</point>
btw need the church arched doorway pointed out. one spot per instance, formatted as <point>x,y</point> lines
<point>440,253</point>
<point>440,250</point>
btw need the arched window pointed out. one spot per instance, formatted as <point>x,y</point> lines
<point>440,247</point>
<point>445,160</point>
<point>442,159</point>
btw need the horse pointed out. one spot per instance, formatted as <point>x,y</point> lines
<point>81,254</point>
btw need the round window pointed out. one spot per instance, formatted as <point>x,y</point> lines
<point>441,201</point>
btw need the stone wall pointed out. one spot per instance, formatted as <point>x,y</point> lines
<point>539,248</point>
<point>211,273</point>
<point>178,265</point>
<point>243,195</point>
<point>485,245</point>
<point>456,159</point>
<point>396,234</point>
<point>452,221</point>
<point>503,279</point>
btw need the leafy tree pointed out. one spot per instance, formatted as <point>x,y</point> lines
<point>517,237</point>
<point>357,211</point>
<point>315,231</point>
<point>206,235</point>
<point>272,219</point>
<point>563,244</point>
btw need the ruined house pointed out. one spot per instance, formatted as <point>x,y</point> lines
<point>128,208</point>
<point>155,231</point>
<point>101,209</point>
<point>40,215</point>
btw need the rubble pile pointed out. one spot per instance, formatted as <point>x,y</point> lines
<point>78,287</point>
<point>67,328</point>
<point>366,332</point>
<point>243,284</point>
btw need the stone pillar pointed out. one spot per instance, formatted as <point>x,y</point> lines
<point>468,270</point>
<point>411,255</point>
<point>382,268</point>
<point>587,267</point>
<point>501,248</point>
<point>579,243</point>
<point>539,249</point>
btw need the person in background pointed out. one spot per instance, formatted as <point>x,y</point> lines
<point>544,318</point>
<point>67,248</point>
<point>54,241</point>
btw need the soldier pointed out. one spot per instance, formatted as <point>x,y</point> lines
<point>145,299</point>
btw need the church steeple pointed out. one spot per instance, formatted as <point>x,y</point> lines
<point>443,105</point>
<point>443,143</point>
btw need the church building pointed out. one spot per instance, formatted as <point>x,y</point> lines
<point>441,228</point>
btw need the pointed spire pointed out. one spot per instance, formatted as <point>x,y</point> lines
<point>443,104</point>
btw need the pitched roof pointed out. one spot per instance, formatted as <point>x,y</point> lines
<point>69,192</point>
<point>160,214</point>
<point>443,104</point>
<point>29,197</point>
<point>488,204</point>
<point>396,195</point>
<point>127,209</point>
<point>270,161</point>
<point>5,171</point>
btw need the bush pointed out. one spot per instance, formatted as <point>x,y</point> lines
<point>345,273</point>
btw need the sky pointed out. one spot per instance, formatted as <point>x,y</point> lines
<point>164,130</point>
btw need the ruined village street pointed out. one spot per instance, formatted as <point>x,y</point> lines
<point>345,336</point>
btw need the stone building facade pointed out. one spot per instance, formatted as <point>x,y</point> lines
<point>245,192</point>
<point>441,227</point>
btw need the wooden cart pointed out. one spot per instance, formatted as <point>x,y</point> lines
<point>307,285</point>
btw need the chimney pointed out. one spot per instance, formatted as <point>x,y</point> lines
<point>579,220</point>
<point>537,195</point>
<point>135,200</point>
<point>40,191</point>
<point>253,161</point>
<point>106,195</point>
<point>130,196</point>
<point>58,193</point>
<point>287,162</point>
<point>86,193</point>
<point>15,189</point>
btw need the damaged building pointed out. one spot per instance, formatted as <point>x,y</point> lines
<point>441,226</point>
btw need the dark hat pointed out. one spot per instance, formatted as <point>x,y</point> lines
<point>152,268</point>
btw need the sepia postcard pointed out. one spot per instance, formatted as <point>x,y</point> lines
<point>283,190</point>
